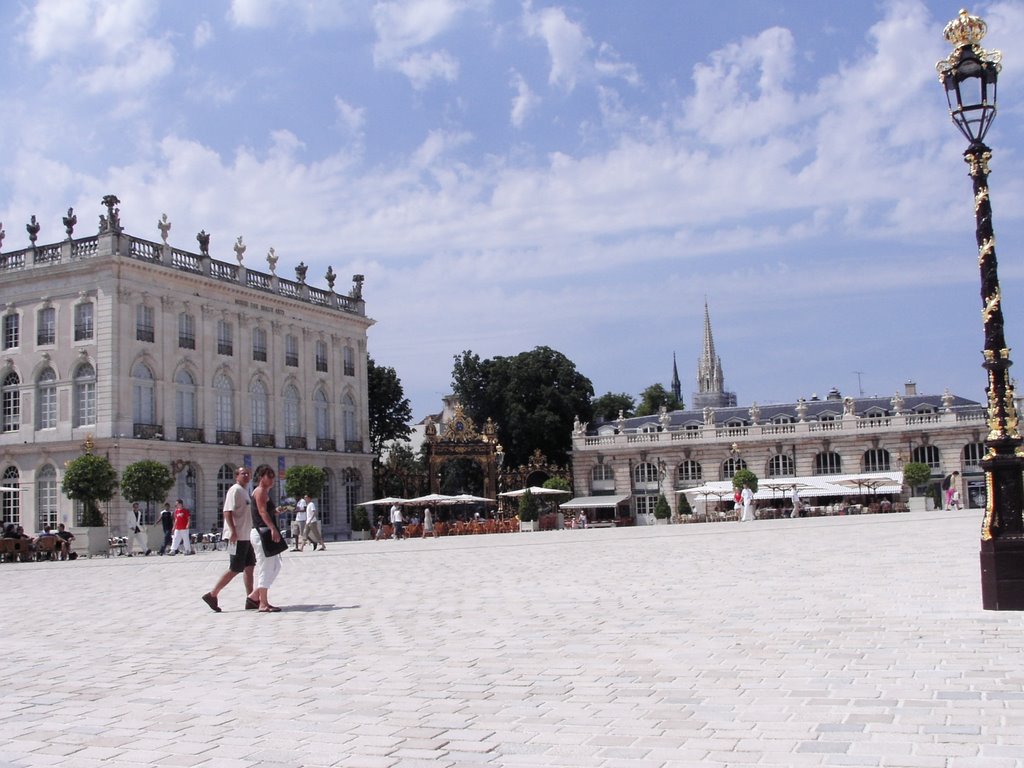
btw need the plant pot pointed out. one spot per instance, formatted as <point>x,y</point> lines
<point>644,518</point>
<point>532,525</point>
<point>360,536</point>
<point>92,540</point>
<point>661,521</point>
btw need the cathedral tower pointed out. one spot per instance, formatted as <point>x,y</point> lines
<point>710,381</point>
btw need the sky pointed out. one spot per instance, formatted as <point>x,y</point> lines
<point>509,174</point>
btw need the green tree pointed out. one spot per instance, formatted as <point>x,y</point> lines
<point>662,510</point>
<point>655,396</point>
<point>529,508</point>
<point>916,474</point>
<point>533,397</point>
<point>558,484</point>
<point>147,481</point>
<point>745,477</point>
<point>402,473</point>
<point>304,480</point>
<point>608,405</point>
<point>90,479</point>
<point>390,412</point>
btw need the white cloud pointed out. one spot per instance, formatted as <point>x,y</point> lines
<point>311,14</point>
<point>523,102</point>
<point>350,118</point>
<point>406,27</point>
<point>203,34</point>
<point>571,51</point>
<point>59,27</point>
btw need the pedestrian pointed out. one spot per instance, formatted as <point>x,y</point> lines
<point>747,499</point>
<point>299,528</point>
<point>397,522</point>
<point>181,537</point>
<point>136,531</point>
<point>263,516</point>
<point>167,522</point>
<point>313,532</point>
<point>796,503</point>
<point>237,530</point>
<point>428,523</point>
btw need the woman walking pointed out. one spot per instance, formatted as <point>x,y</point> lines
<point>264,516</point>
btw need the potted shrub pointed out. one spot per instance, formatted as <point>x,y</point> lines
<point>91,479</point>
<point>529,511</point>
<point>148,481</point>
<point>662,511</point>
<point>360,524</point>
<point>915,475</point>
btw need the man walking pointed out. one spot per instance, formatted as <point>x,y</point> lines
<point>136,531</point>
<point>181,535</point>
<point>167,522</point>
<point>397,522</point>
<point>237,527</point>
<point>313,532</point>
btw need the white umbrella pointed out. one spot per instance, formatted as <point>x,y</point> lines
<point>467,498</point>
<point>430,498</point>
<point>535,490</point>
<point>385,500</point>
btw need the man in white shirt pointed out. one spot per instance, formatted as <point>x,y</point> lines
<point>136,531</point>
<point>237,527</point>
<point>313,533</point>
<point>747,499</point>
<point>397,522</point>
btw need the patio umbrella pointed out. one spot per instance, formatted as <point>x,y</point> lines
<point>385,500</point>
<point>536,490</point>
<point>430,498</point>
<point>872,483</point>
<point>467,498</point>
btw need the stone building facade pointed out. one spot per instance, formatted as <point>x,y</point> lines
<point>161,353</point>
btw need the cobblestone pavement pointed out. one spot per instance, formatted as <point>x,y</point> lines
<point>844,641</point>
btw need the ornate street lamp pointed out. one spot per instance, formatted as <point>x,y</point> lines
<point>969,76</point>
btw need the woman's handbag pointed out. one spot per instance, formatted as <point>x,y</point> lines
<point>271,547</point>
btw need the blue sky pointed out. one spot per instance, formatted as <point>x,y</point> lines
<point>582,176</point>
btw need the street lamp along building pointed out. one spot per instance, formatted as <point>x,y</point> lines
<point>154,352</point>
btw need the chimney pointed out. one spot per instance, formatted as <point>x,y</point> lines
<point>910,388</point>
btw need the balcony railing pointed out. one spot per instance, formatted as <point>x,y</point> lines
<point>190,435</point>
<point>296,442</point>
<point>353,446</point>
<point>148,431</point>
<point>225,348</point>
<point>321,364</point>
<point>291,359</point>
<point>262,440</point>
<point>260,355</point>
<point>325,444</point>
<point>228,437</point>
<point>83,331</point>
<point>186,342</point>
<point>144,334</point>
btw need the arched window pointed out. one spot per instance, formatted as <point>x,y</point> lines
<point>225,479</point>
<point>143,395</point>
<point>926,454</point>
<point>223,403</point>
<point>644,473</point>
<point>260,406</point>
<point>322,413</point>
<point>877,460</point>
<point>348,414</point>
<point>46,496</point>
<point>10,501</point>
<point>85,395</point>
<point>781,465</point>
<point>690,471</point>
<point>46,389</point>
<point>731,467</point>
<point>973,453</point>
<point>185,400</point>
<point>11,402</point>
<point>828,463</point>
<point>292,420</point>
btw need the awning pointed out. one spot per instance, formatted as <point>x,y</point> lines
<point>594,502</point>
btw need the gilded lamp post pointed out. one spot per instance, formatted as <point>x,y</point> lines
<point>969,76</point>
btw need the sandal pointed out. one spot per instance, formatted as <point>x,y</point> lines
<point>270,609</point>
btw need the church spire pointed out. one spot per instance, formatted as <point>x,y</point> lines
<point>677,386</point>
<point>710,380</point>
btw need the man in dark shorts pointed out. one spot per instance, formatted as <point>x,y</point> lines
<point>237,526</point>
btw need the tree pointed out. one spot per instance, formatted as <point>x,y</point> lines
<point>745,477</point>
<point>916,474</point>
<point>146,480</point>
<point>529,508</point>
<point>402,473</point>
<point>90,479</point>
<point>533,397</point>
<point>390,412</point>
<point>607,406</point>
<point>662,510</point>
<point>304,480</point>
<point>655,396</point>
<point>558,484</point>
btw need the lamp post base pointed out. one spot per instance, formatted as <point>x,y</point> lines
<point>1002,574</point>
